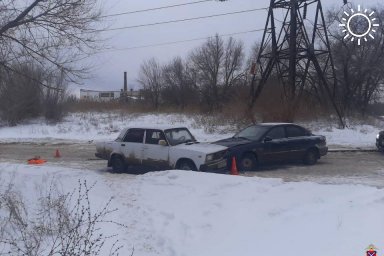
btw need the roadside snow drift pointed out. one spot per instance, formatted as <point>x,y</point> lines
<point>94,126</point>
<point>184,213</point>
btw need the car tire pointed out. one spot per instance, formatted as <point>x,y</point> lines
<point>118,164</point>
<point>381,144</point>
<point>248,162</point>
<point>311,157</point>
<point>186,165</point>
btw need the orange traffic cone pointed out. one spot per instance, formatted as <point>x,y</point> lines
<point>234,170</point>
<point>57,154</point>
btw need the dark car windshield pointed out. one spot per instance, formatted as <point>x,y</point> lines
<point>252,132</point>
<point>179,136</point>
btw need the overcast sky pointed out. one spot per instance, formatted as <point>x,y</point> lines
<point>127,45</point>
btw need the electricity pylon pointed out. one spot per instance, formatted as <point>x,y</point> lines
<point>298,52</point>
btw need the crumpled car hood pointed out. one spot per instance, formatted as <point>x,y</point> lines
<point>206,148</point>
<point>232,142</point>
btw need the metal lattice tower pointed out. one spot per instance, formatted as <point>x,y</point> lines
<point>298,52</point>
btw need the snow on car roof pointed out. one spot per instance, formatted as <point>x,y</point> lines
<point>272,124</point>
<point>157,127</point>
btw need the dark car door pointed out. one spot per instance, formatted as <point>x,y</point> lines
<point>298,141</point>
<point>275,145</point>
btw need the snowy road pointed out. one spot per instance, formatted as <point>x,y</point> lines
<point>337,167</point>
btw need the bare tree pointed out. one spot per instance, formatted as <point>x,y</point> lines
<point>54,96</point>
<point>178,86</point>
<point>150,77</point>
<point>207,61</point>
<point>20,95</point>
<point>233,63</point>
<point>54,34</point>
<point>217,65</point>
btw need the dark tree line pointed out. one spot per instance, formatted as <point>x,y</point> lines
<point>359,69</point>
<point>208,77</point>
<point>53,34</point>
<point>41,45</point>
<point>42,42</point>
<point>214,73</point>
<point>23,96</point>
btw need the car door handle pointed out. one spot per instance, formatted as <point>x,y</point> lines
<point>123,145</point>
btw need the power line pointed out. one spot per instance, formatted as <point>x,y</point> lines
<point>182,41</point>
<point>180,20</point>
<point>155,8</point>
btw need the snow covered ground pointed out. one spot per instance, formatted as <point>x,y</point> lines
<point>101,126</point>
<point>187,213</point>
<point>106,126</point>
<point>184,213</point>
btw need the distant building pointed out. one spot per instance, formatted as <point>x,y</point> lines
<point>131,95</point>
<point>122,95</point>
<point>93,95</point>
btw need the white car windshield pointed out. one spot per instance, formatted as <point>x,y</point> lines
<point>179,136</point>
<point>121,135</point>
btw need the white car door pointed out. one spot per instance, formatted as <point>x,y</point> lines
<point>132,146</point>
<point>155,155</point>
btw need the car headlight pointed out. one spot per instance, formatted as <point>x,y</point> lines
<point>377,136</point>
<point>209,158</point>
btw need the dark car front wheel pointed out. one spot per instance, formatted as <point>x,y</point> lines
<point>248,162</point>
<point>311,157</point>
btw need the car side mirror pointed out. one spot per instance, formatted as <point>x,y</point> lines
<point>163,143</point>
<point>267,139</point>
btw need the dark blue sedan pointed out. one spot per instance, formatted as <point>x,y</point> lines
<point>274,142</point>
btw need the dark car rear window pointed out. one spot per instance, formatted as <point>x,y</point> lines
<point>276,133</point>
<point>295,131</point>
<point>252,132</point>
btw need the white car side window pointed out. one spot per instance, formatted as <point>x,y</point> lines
<point>134,136</point>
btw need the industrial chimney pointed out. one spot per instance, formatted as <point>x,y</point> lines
<point>125,82</point>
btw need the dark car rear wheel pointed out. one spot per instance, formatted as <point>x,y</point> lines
<point>118,164</point>
<point>186,165</point>
<point>248,162</point>
<point>311,157</point>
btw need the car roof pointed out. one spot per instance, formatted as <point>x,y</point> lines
<point>274,124</point>
<point>157,127</point>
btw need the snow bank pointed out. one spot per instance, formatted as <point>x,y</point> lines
<point>99,126</point>
<point>106,126</point>
<point>363,136</point>
<point>188,213</point>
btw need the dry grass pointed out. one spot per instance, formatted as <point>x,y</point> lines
<point>270,107</point>
<point>57,224</point>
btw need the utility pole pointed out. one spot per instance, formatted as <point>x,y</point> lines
<point>298,53</point>
<point>292,49</point>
